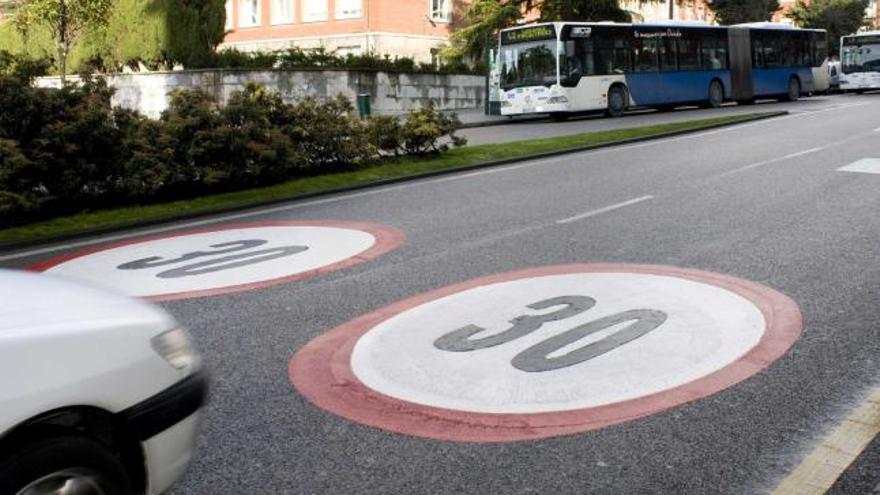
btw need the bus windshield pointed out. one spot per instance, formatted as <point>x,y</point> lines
<point>528,64</point>
<point>860,56</point>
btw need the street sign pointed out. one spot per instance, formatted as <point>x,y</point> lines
<point>547,351</point>
<point>224,259</point>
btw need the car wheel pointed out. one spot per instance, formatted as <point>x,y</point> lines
<point>616,101</point>
<point>716,94</point>
<point>794,90</point>
<point>64,466</point>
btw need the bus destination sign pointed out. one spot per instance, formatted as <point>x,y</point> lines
<point>524,35</point>
<point>669,33</point>
<point>861,40</point>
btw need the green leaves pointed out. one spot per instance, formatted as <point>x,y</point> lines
<point>66,19</point>
<point>838,17</point>
<point>738,11</point>
<point>583,10</point>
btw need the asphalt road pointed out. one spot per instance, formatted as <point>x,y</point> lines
<point>519,130</point>
<point>761,201</point>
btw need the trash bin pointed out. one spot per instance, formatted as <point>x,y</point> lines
<point>363,104</point>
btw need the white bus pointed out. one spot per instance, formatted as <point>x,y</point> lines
<point>565,67</point>
<point>860,62</point>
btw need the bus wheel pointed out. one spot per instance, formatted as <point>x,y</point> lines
<point>616,101</point>
<point>794,90</point>
<point>716,94</point>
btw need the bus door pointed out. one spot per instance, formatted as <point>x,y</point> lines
<point>740,64</point>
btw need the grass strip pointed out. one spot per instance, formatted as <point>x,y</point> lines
<point>381,171</point>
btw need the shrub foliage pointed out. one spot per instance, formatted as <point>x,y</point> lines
<point>67,150</point>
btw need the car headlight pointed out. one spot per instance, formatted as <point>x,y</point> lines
<point>175,347</point>
<point>557,99</point>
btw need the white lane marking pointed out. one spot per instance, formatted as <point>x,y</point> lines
<point>804,152</point>
<point>865,166</point>
<point>771,160</point>
<point>381,190</point>
<point>877,129</point>
<point>604,210</point>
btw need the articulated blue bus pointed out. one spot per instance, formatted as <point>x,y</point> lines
<point>566,67</point>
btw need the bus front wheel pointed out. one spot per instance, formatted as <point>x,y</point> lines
<point>794,90</point>
<point>716,94</point>
<point>616,101</point>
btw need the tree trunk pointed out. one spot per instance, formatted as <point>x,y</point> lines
<point>63,43</point>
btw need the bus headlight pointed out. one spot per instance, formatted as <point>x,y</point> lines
<point>558,99</point>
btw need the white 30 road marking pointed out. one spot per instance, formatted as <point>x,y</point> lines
<point>604,210</point>
<point>417,356</point>
<point>213,260</point>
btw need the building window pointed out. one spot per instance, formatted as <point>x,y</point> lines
<point>348,9</point>
<point>440,10</point>
<point>282,11</point>
<point>229,21</point>
<point>249,13</point>
<point>314,10</point>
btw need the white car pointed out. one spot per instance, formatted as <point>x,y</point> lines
<point>98,393</point>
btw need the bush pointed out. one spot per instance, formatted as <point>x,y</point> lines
<point>65,150</point>
<point>423,129</point>
<point>320,58</point>
<point>383,131</point>
<point>328,133</point>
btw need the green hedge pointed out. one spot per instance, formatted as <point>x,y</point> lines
<point>66,150</point>
<point>297,58</point>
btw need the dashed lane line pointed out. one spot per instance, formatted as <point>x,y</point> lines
<point>605,209</point>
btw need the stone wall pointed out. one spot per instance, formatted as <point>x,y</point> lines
<point>390,93</point>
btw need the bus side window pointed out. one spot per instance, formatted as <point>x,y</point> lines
<point>714,57</point>
<point>757,50</point>
<point>668,56</point>
<point>645,51</point>
<point>688,54</point>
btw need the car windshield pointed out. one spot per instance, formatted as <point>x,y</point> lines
<point>860,58</point>
<point>528,64</point>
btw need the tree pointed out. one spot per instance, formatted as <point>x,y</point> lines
<point>583,10</point>
<point>484,18</point>
<point>481,21</point>
<point>66,19</point>
<point>838,17</point>
<point>738,11</point>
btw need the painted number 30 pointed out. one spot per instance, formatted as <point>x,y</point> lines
<point>242,257</point>
<point>543,356</point>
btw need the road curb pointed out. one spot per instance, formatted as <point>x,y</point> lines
<point>9,247</point>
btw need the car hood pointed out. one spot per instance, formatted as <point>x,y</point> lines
<point>31,301</point>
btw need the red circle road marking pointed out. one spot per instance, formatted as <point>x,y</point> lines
<point>321,370</point>
<point>387,238</point>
